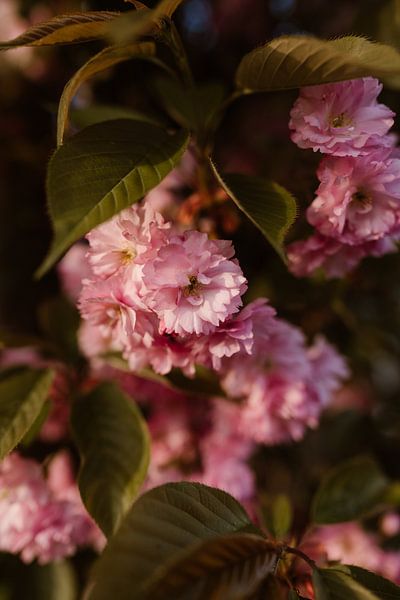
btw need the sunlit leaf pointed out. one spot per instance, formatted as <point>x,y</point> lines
<point>135,23</point>
<point>349,491</point>
<point>64,29</point>
<point>101,170</point>
<point>334,584</point>
<point>381,587</point>
<point>227,567</point>
<point>113,442</point>
<point>22,395</point>
<point>267,204</point>
<point>105,59</point>
<point>160,525</point>
<point>296,61</point>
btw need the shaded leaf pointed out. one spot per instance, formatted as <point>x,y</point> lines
<point>191,107</point>
<point>333,584</point>
<point>205,382</point>
<point>135,23</point>
<point>163,523</point>
<point>295,61</point>
<point>113,443</point>
<point>267,204</point>
<point>101,170</point>
<point>349,491</point>
<point>226,567</point>
<point>383,588</point>
<point>64,29</point>
<point>105,59</point>
<point>96,113</point>
<point>22,395</point>
<point>59,321</point>
<point>278,515</point>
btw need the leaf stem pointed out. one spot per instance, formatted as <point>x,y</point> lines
<point>299,554</point>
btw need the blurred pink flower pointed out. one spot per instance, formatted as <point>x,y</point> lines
<point>343,119</point>
<point>335,258</point>
<point>73,269</point>
<point>37,522</point>
<point>358,199</point>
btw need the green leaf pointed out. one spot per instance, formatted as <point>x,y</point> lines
<point>349,491</point>
<point>192,107</point>
<point>295,61</point>
<point>267,204</point>
<point>159,527</point>
<point>293,595</point>
<point>55,581</point>
<point>101,170</point>
<point>22,395</point>
<point>383,588</point>
<point>226,567</point>
<point>96,113</point>
<point>105,59</point>
<point>278,515</point>
<point>205,382</point>
<point>59,321</point>
<point>135,23</point>
<point>333,584</point>
<point>113,442</point>
<point>64,29</point>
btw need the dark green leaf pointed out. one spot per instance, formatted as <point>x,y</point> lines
<point>333,584</point>
<point>293,595</point>
<point>267,204</point>
<point>103,169</point>
<point>383,588</point>
<point>205,382</point>
<point>191,107</point>
<point>296,61</point>
<point>162,524</point>
<point>96,113</point>
<point>349,491</point>
<point>64,29</point>
<point>105,59</point>
<point>113,442</point>
<point>59,321</point>
<point>226,567</point>
<point>22,395</point>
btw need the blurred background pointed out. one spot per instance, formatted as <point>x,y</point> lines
<point>360,314</point>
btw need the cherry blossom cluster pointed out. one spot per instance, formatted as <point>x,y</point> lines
<point>43,518</point>
<point>172,300</point>
<point>356,211</point>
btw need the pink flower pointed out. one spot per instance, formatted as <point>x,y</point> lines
<point>35,521</point>
<point>343,119</point>
<point>358,199</point>
<point>110,306</point>
<point>348,543</point>
<point>119,242</point>
<point>335,258</point>
<point>193,286</point>
<point>72,269</point>
<point>329,370</point>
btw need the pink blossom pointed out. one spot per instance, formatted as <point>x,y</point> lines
<point>110,305</point>
<point>193,285</point>
<point>333,257</point>
<point>73,269</point>
<point>358,199</point>
<point>348,543</point>
<point>343,119</point>
<point>283,385</point>
<point>119,242</point>
<point>35,522</point>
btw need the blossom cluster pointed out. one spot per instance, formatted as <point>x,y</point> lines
<point>356,211</point>
<point>41,518</point>
<point>173,300</point>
